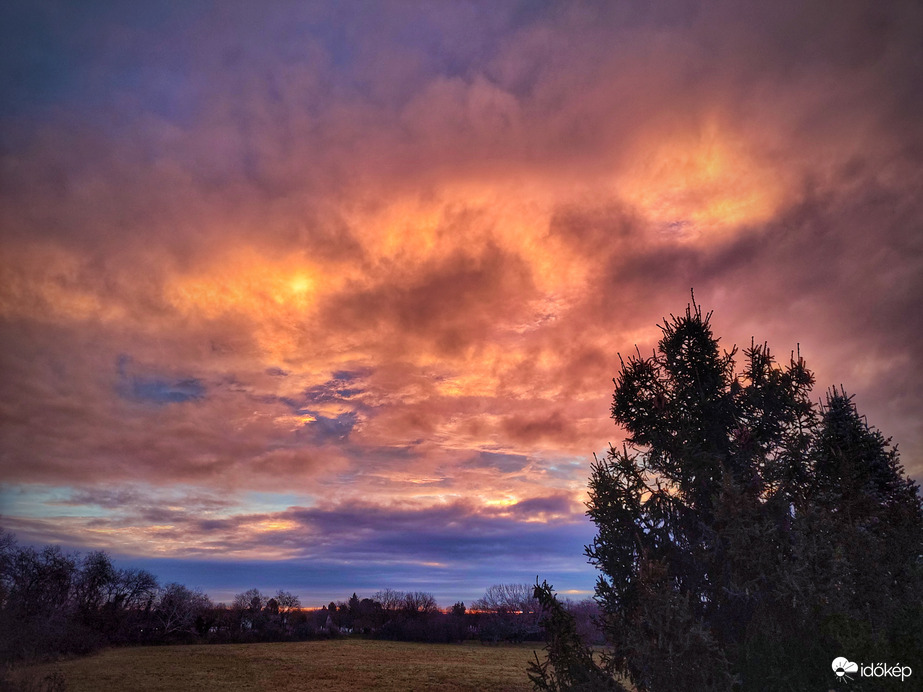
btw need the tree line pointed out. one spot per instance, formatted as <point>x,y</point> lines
<point>53,602</point>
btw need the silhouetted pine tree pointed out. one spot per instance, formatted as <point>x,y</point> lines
<point>569,662</point>
<point>744,538</point>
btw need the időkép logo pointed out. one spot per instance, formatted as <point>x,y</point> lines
<point>846,670</point>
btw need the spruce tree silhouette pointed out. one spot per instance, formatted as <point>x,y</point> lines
<point>745,537</point>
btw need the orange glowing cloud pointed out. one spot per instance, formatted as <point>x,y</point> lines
<point>700,186</point>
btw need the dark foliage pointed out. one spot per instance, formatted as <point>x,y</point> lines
<point>53,603</point>
<point>569,663</point>
<point>745,536</point>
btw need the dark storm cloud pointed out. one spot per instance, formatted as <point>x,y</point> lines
<point>551,426</point>
<point>504,463</point>
<point>323,430</point>
<point>436,534</point>
<point>337,389</point>
<point>351,375</point>
<point>452,302</point>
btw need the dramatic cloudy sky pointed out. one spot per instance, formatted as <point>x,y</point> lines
<point>329,296</point>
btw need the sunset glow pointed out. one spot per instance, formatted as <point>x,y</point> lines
<point>329,297</point>
<point>700,186</point>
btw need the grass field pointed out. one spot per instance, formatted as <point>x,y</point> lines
<point>350,664</point>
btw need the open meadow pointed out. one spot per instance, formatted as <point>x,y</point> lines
<point>351,664</point>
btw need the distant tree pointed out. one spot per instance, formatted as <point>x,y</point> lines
<point>248,607</point>
<point>744,538</point>
<point>38,602</point>
<point>369,615</point>
<point>255,600</point>
<point>55,603</point>
<point>458,609</point>
<point>42,581</point>
<point>390,599</point>
<point>286,604</point>
<point>287,601</point>
<point>177,608</point>
<point>133,589</point>
<point>353,605</point>
<point>511,613</point>
<point>509,598</point>
<point>419,603</point>
<point>96,582</point>
<point>109,600</point>
<point>586,616</point>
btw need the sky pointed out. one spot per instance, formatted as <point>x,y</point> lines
<point>328,296</point>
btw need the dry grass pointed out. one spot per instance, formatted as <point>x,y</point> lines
<point>285,667</point>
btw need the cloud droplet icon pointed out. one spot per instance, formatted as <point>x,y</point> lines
<point>842,666</point>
